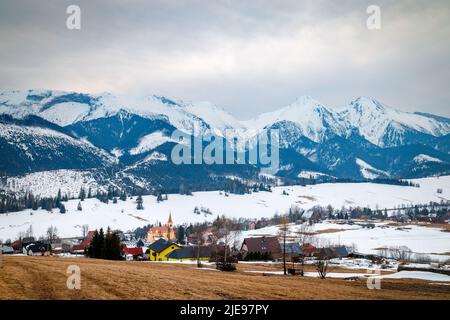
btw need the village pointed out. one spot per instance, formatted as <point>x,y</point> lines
<point>227,242</point>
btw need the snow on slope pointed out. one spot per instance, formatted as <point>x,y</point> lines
<point>64,114</point>
<point>216,117</point>
<point>149,142</point>
<point>19,137</point>
<point>369,172</point>
<point>310,174</point>
<point>93,106</point>
<point>421,158</point>
<point>47,183</point>
<point>125,216</point>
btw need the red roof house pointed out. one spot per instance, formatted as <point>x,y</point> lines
<point>80,248</point>
<point>133,251</point>
<point>308,250</point>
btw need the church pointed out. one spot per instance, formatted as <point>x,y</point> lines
<point>166,232</point>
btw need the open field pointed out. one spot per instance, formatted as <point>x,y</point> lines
<point>45,278</point>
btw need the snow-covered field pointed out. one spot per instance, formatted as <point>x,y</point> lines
<point>420,275</point>
<point>421,240</point>
<point>125,216</point>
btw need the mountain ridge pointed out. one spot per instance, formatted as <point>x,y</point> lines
<point>364,139</point>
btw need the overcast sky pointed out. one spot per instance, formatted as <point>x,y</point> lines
<point>248,57</point>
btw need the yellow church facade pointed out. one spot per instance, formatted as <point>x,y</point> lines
<point>166,232</point>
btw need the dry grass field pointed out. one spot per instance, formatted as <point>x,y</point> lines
<point>45,278</point>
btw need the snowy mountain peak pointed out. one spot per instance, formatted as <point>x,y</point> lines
<point>378,123</point>
<point>386,126</point>
<point>364,104</point>
<point>313,119</point>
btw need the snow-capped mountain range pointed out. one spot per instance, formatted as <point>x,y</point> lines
<point>131,136</point>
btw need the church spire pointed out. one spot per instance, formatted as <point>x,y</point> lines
<point>170,222</point>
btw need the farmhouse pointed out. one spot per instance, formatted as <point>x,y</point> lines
<point>261,248</point>
<point>7,249</point>
<point>293,250</point>
<point>312,216</point>
<point>166,232</point>
<point>133,253</point>
<point>160,249</point>
<point>80,248</point>
<point>309,250</point>
<point>37,248</point>
<point>340,252</point>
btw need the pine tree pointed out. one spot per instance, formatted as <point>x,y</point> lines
<point>89,193</point>
<point>79,207</point>
<point>58,199</point>
<point>101,245</point>
<point>108,246</point>
<point>62,209</point>
<point>82,194</point>
<point>139,202</point>
<point>93,248</point>
<point>180,234</point>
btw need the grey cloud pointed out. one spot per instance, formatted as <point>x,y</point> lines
<point>246,56</point>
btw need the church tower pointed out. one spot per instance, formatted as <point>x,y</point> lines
<point>170,222</point>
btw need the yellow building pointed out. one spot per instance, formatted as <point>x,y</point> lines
<point>166,232</point>
<point>160,249</point>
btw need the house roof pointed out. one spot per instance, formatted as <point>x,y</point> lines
<point>291,248</point>
<point>83,245</point>
<point>262,244</point>
<point>308,248</point>
<point>341,251</point>
<point>190,253</point>
<point>326,252</point>
<point>133,251</point>
<point>159,245</point>
<point>7,249</point>
<point>36,247</point>
<point>90,235</point>
<point>140,243</point>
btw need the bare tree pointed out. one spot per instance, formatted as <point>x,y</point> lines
<point>29,232</point>
<point>227,234</point>
<point>322,267</point>
<point>52,234</point>
<point>401,253</point>
<point>283,232</point>
<point>303,235</point>
<point>85,230</point>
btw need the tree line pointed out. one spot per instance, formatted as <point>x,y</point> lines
<point>105,246</point>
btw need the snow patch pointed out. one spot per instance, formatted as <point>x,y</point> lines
<point>369,172</point>
<point>421,158</point>
<point>149,142</point>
